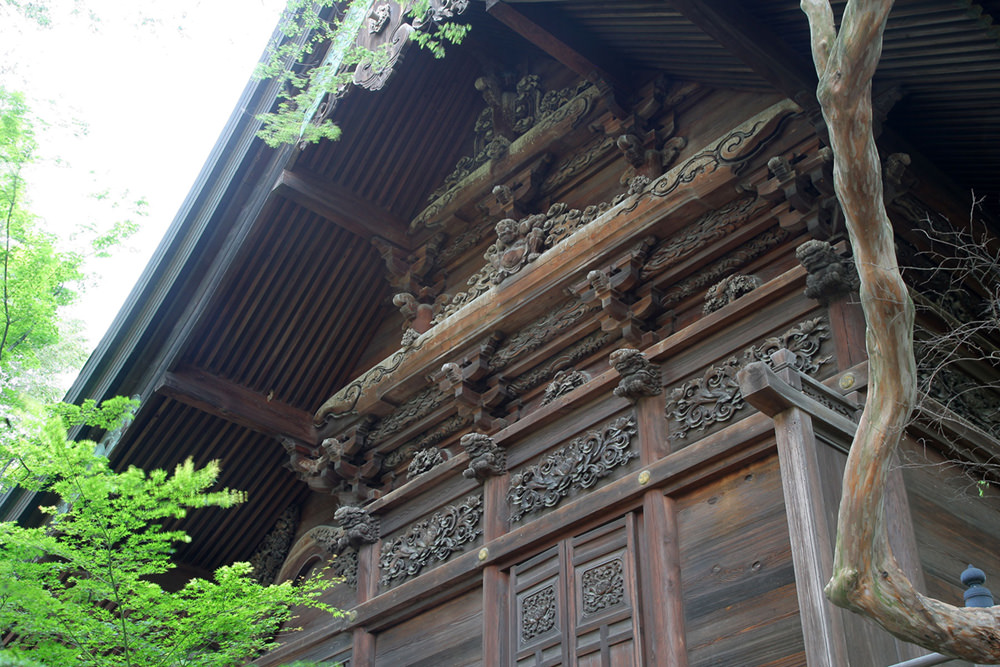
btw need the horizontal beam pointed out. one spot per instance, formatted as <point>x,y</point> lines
<point>555,47</point>
<point>237,404</point>
<point>756,45</point>
<point>342,207</point>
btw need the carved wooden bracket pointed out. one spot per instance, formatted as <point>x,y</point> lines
<point>486,458</point>
<point>612,287</point>
<point>311,466</point>
<point>831,276</point>
<point>640,376</point>
<point>477,397</point>
<point>806,183</point>
<point>413,272</point>
<point>359,526</point>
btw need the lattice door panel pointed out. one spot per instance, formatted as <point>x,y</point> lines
<point>574,603</point>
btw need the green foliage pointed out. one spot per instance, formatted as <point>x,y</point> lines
<point>81,591</point>
<point>293,59</point>
<point>37,278</point>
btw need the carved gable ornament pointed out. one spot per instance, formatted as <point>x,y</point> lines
<point>387,31</point>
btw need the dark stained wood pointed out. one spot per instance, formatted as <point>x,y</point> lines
<point>809,534</point>
<point>237,404</point>
<point>496,625</point>
<point>559,50</point>
<point>660,580</point>
<point>732,26</point>
<point>342,207</point>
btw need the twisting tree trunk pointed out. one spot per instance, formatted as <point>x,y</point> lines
<point>866,578</point>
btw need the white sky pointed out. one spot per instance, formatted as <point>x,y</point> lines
<point>153,100</point>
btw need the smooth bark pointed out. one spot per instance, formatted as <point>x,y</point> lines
<point>866,577</point>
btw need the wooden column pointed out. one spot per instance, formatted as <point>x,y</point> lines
<point>496,583</point>
<point>364,641</point>
<point>662,610</point>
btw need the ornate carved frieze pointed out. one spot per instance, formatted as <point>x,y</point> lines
<point>640,377</point>
<point>716,396</point>
<point>539,332</point>
<point>728,290</point>
<point>583,348</point>
<point>564,170</point>
<point>745,254</point>
<point>830,275</point>
<point>425,402</point>
<point>359,527</point>
<point>486,458</point>
<point>518,244</point>
<point>423,461</point>
<point>448,427</point>
<point>345,566</point>
<point>513,108</point>
<point>970,399</point>
<point>603,586</point>
<point>273,549</point>
<point>734,151</point>
<point>563,383</point>
<point>538,613</point>
<point>712,226</point>
<point>434,539</point>
<point>578,465</point>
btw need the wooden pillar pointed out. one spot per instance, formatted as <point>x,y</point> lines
<point>809,533</point>
<point>496,583</point>
<point>364,641</point>
<point>662,610</point>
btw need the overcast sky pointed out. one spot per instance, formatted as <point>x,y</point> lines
<point>133,109</point>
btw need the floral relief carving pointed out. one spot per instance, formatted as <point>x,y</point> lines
<point>716,396</point>
<point>423,461</point>
<point>563,383</point>
<point>578,465</point>
<point>603,586</point>
<point>538,613</point>
<point>434,539</point>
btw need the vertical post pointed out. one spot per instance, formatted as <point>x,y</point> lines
<point>661,610</point>
<point>809,533</point>
<point>364,641</point>
<point>496,583</point>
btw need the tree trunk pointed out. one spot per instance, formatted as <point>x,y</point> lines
<point>866,578</point>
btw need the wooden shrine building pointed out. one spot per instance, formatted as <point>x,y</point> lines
<point>557,353</point>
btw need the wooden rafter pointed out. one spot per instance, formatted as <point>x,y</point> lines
<point>342,207</point>
<point>755,44</point>
<point>238,404</point>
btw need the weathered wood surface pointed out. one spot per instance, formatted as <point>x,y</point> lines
<point>448,635</point>
<point>736,571</point>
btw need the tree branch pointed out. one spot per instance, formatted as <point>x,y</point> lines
<point>866,577</point>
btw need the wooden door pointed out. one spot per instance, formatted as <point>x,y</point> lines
<point>574,603</point>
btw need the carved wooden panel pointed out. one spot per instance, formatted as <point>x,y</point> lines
<point>574,603</point>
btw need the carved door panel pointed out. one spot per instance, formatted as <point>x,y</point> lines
<point>574,603</point>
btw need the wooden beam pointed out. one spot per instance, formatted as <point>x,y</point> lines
<point>237,404</point>
<point>611,87</point>
<point>342,207</point>
<point>756,45</point>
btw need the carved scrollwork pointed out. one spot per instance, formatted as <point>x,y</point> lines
<point>710,227</point>
<point>578,465</point>
<point>486,458</point>
<point>640,377</point>
<point>423,461</point>
<point>716,396</point>
<point>434,539</point>
<point>273,549</point>
<point>345,561</point>
<point>745,254</point>
<point>359,527</point>
<point>728,290</point>
<point>538,613</point>
<point>563,383</point>
<point>603,586</point>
